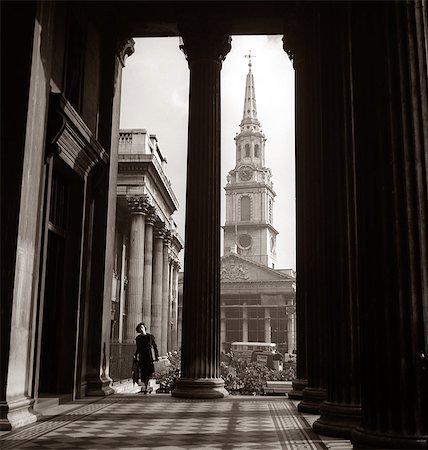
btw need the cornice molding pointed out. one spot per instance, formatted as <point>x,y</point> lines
<point>70,138</point>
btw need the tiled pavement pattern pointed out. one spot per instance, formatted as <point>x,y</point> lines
<point>125,421</point>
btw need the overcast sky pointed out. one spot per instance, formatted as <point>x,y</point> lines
<point>155,92</point>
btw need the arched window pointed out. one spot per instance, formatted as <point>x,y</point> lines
<point>270,211</point>
<point>238,153</point>
<point>256,151</point>
<point>245,208</point>
<point>247,150</point>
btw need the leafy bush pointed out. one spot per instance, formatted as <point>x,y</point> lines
<point>167,377</point>
<point>240,377</point>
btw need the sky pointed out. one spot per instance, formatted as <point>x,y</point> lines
<point>155,90</point>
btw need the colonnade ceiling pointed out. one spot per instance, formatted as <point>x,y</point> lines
<point>157,19</point>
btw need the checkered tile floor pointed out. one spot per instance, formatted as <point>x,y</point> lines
<point>132,421</point>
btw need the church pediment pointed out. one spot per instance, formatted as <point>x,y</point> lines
<point>235,268</point>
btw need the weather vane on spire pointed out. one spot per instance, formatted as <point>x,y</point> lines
<point>249,56</point>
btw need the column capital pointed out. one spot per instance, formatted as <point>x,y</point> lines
<point>167,237</point>
<point>204,40</point>
<point>159,230</point>
<point>124,49</point>
<point>138,204</point>
<point>151,216</point>
<point>293,38</point>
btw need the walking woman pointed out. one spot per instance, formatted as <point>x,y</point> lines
<point>146,346</point>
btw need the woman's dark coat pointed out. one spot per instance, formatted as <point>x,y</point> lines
<point>145,360</point>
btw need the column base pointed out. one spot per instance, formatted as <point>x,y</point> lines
<point>99,388</point>
<point>337,419</point>
<point>200,388</point>
<point>312,399</point>
<point>17,413</point>
<point>364,439</point>
<point>297,392</point>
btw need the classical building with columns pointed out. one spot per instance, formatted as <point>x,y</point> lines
<point>361,203</point>
<point>257,300</point>
<point>145,275</point>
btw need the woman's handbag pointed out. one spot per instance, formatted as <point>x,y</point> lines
<point>135,370</point>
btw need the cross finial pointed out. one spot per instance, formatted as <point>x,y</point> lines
<point>249,56</point>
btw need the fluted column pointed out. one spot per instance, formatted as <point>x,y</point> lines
<point>294,46</point>
<point>341,410</point>
<point>205,49</point>
<point>170,301</point>
<point>222,326</point>
<point>156,320</point>
<point>389,57</point>
<point>134,305</point>
<point>165,290</point>
<point>244,322</point>
<point>174,295</point>
<point>268,328</point>
<point>291,319</point>
<point>123,284</point>
<point>148,266</point>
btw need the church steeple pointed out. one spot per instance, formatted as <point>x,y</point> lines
<point>249,116</point>
<point>249,228</point>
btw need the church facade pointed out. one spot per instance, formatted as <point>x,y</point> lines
<point>257,300</point>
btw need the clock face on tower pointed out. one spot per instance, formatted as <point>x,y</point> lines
<point>245,173</point>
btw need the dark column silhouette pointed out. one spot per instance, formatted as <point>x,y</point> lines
<point>391,147</point>
<point>205,49</point>
<point>341,411</point>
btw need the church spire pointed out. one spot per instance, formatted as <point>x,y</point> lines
<point>249,117</point>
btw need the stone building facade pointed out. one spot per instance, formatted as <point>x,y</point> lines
<point>361,202</point>
<point>147,245</point>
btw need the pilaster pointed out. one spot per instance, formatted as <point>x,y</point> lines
<point>16,398</point>
<point>205,48</point>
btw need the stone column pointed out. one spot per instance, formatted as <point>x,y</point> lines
<point>148,266</point>
<point>268,328</point>
<point>291,328</point>
<point>341,411</point>
<point>244,322</point>
<point>389,59</point>
<point>205,48</point>
<point>170,301</point>
<point>293,45</point>
<point>134,304</point>
<point>311,216</point>
<point>179,314</point>
<point>156,321</point>
<point>174,306</point>
<point>123,284</point>
<point>165,291</point>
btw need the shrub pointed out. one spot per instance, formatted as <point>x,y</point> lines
<point>168,376</point>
